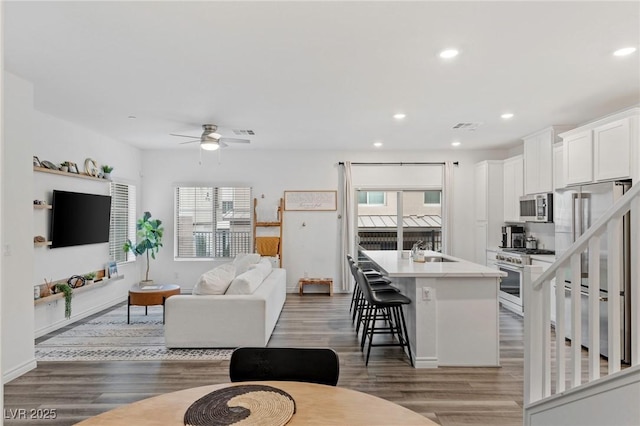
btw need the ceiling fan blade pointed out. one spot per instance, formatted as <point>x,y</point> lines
<point>234,140</point>
<point>222,144</point>
<point>185,136</point>
<point>182,143</point>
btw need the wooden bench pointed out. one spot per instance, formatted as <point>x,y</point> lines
<point>323,281</point>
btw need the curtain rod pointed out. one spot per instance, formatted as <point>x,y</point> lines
<point>341,163</point>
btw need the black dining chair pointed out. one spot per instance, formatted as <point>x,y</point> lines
<point>383,306</point>
<point>313,365</point>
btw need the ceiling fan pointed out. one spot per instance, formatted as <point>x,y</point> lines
<point>210,140</point>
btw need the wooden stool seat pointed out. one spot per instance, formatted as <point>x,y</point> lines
<point>322,281</point>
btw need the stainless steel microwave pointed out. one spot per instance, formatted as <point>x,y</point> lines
<point>536,208</point>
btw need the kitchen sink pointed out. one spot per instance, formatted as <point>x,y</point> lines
<point>437,259</point>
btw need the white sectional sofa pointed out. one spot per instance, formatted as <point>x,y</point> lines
<point>227,320</point>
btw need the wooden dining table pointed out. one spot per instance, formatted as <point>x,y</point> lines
<point>315,405</point>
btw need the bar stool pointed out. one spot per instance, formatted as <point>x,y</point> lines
<point>376,285</point>
<point>390,303</point>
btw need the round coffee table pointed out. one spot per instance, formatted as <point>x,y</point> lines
<point>150,295</point>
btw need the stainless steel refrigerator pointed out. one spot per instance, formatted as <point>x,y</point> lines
<point>575,210</point>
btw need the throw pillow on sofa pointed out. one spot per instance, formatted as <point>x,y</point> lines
<point>246,283</point>
<point>264,266</point>
<point>215,281</point>
<point>242,261</point>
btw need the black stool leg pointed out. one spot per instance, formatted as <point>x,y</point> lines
<point>371,330</point>
<point>406,334</point>
<point>129,310</point>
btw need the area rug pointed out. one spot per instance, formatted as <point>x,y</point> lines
<point>108,337</point>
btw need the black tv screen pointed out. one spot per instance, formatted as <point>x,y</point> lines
<point>79,219</point>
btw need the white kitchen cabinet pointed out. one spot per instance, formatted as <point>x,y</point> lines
<point>603,150</point>
<point>577,157</point>
<point>538,160</point>
<point>513,187</point>
<point>611,150</point>
<point>489,207</point>
<point>558,167</point>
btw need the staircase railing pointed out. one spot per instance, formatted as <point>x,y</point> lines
<point>547,371</point>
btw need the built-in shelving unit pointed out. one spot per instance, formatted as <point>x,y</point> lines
<point>76,175</point>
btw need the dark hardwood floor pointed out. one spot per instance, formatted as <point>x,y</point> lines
<point>448,396</point>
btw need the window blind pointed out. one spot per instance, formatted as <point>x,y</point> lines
<point>212,222</point>
<point>123,220</point>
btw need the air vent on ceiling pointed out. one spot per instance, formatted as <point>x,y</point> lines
<point>243,132</point>
<point>467,126</point>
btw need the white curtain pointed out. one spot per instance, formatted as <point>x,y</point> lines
<point>447,207</point>
<point>346,230</point>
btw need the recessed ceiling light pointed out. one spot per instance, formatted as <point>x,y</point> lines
<point>456,143</point>
<point>449,53</point>
<point>399,116</point>
<point>507,115</point>
<point>377,144</point>
<point>624,51</point>
<point>132,117</point>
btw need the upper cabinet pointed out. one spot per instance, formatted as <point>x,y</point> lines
<point>513,187</point>
<point>558,167</point>
<point>538,160</point>
<point>606,149</point>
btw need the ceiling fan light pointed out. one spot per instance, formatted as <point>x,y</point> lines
<point>209,145</point>
<point>214,135</point>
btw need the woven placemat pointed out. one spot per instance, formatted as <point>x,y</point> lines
<point>252,404</point>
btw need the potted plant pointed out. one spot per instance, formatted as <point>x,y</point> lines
<point>106,171</point>
<point>90,277</point>
<point>149,232</point>
<point>64,166</point>
<point>68,294</point>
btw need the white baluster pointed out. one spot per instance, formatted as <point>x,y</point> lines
<point>635,281</point>
<point>576,326</point>
<point>546,338</point>
<point>614,275</point>
<point>560,331</point>
<point>594,308</point>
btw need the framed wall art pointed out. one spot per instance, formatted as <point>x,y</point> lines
<point>310,200</point>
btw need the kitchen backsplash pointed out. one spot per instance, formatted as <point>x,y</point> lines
<point>543,232</point>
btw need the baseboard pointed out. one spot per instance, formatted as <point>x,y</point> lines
<point>62,323</point>
<point>18,371</point>
<point>425,362</point>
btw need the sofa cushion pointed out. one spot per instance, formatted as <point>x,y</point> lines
<point>246,283</point>
<point>215,281</point>
<point>242,261</point>
<point>264,266</point>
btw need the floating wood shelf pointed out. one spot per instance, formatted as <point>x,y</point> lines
<point>42,206</point>
<point>101,283</point>
<point>76,175</point>
<point>42,244</point>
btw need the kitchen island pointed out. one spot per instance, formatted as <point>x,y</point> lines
<point>453,318</point>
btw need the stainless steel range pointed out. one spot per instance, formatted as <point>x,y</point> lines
<point>512,262</point>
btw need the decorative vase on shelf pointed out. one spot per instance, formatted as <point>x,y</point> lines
<point>107,176</point>
<point>64,169</point>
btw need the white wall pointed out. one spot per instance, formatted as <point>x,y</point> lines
<point>17,290</point>
<point>28,132</point>
<point>312,248</point>
<point>69,142</point>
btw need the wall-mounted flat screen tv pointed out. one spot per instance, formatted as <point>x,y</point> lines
<point>79,219</point>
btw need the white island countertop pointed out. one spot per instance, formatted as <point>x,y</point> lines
<point>390,262</point>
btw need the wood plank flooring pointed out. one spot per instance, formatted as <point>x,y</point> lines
<point>448,396</point>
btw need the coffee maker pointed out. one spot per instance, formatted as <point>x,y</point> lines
<point>513,236</point>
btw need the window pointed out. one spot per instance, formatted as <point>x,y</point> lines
<point>372,198</point>
<point>432,197</point>
<point>212,222</point>
<point>123,221</point>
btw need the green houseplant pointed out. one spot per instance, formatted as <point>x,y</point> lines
<point>65,289</point>
<point>149,232</point>
<point>90,277</point>
<point>106,171</point>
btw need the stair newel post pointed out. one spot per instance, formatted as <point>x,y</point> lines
<point>635,281</point>
<point>534,369</point>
